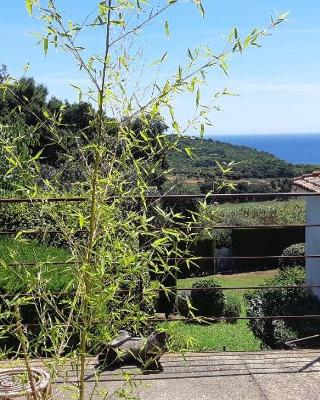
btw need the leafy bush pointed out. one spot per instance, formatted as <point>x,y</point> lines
<point>182,302</point>
<point>207,298</point>
<point>232,308</point>
<point>165,302</point>
<point>38,216</point>
<point>264,213</point>
<point>297,249</point>
<point>283,301</point>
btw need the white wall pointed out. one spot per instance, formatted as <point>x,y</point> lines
<point>313,243</point>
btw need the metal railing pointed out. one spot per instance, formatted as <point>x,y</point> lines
<point>173,197</point>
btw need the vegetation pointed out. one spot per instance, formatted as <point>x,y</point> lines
<point>214,337</point>
<point>252,170</point>
<point>282,301</point>
<point>235,337</point>
<point>260,213</point>
<point>298,250</point>
<point>232,308</point>
<point>15,273</point>
<point>105,150</point>
<point>110,150</point>
<point>266,213</point>
<point>207,298</point>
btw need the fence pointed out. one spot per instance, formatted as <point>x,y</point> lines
<point>312,228</point>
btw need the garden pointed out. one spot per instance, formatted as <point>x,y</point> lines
<point>90,240</point>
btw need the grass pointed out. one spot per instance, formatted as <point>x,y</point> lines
<point>16,276</point>
<point>232,337</point>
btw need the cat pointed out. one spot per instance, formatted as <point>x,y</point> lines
<point>146,352</point>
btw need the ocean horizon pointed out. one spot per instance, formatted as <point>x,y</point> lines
<point>297,148</point>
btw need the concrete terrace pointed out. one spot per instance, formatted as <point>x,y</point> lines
<point>265,375</point>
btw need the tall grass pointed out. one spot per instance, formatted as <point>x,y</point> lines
<point>264,213</point>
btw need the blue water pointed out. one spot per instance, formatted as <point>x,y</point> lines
<point>295,148</point>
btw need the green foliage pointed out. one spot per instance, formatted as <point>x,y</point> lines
<point>261,213</point>
<point>108,147</point>
<point>22,219</point>
<point>232,308</point>
<point>165,302</point>
<point>267,173</point>
<point>211,337</point>
<point>297,249</point>
<point>183,303</point>
<point>209,300</point>
<point>282,301</point>
<point>58,131</point>
<point>236,337</point>
<point>16,276</point>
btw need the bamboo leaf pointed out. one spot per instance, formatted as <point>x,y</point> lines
<point>29,4</point>
<point>45,45</point>
<point>188,150</point>
<point>198,97</point>
<point>202,131</point>
<point>166,28</point>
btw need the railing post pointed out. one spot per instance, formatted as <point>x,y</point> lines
<point>313,243</point>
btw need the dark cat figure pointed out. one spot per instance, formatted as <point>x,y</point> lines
<point>145,352</point>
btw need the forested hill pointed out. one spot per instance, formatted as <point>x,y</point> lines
<point>249,163</point>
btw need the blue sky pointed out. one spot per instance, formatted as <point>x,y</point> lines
<point>278,84</point>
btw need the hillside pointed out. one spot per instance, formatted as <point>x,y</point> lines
<point>249,163</point>
<point>252,170</point>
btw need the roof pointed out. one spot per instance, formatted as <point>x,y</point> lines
<point>309,182</point>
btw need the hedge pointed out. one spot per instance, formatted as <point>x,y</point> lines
<point>262,242</point>
<point>283,301</point>
<point>207,298</point>
<point>297,249</point>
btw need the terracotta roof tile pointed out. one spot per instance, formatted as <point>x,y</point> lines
<point>310,182</point>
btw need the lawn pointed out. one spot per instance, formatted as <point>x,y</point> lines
<point>15,276</point>
<point>218,336</point>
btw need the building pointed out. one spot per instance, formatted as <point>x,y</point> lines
<point>307,183</point>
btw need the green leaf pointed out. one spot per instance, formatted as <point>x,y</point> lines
<point>29,4</point>
<point>160,241</point>
<point>81,221</point>
<point>166,28</point>
<point>201,131</point>
<point>283,16</point>
<point>190,54</point>
<point>198,97</point>
<point>224,67</point>
<point>164,57</point>
<point>199,5</point>
<point>45,45</point>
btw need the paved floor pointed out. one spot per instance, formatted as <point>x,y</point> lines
<point>272,375</point>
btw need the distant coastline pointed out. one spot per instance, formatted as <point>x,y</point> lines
<point>298,148</point>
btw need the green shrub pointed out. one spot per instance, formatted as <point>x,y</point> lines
<point>182,302</point>
<point>283,301</point>
<point>232,308</point>
<point>207,298</point>
<point>39,216</point>
<point>297,249</point>
<point>165,302</point>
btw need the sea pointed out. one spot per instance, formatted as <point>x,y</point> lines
<point>302,148</point>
